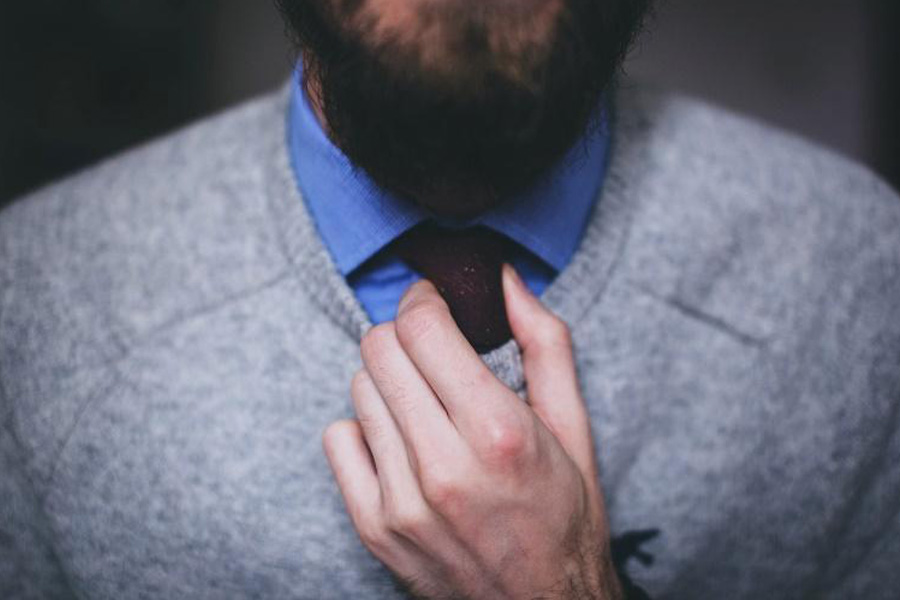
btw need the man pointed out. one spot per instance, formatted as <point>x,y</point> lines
<point>716,325</point>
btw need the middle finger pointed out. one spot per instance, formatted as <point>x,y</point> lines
<point>421,418</point>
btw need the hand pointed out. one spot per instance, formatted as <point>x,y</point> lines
<point>452,481</point>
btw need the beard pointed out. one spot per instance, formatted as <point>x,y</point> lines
<point>458,105</point>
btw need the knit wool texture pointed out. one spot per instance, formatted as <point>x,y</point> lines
<point>174,338</point>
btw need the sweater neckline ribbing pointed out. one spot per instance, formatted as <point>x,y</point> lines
<point>575,290</point>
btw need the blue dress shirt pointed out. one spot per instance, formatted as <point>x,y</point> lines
<point>357,219</point>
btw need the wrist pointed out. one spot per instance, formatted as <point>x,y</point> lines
<point>589,575</point>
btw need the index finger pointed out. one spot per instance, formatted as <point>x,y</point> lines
<point>460,379</point>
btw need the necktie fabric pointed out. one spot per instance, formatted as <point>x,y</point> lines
<point>465,267</point>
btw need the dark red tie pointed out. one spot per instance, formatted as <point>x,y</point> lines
<point>464,265</point>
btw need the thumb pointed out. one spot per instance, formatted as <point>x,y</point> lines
<point>550,374</point>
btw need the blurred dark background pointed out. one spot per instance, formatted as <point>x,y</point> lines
<point>82,79</point>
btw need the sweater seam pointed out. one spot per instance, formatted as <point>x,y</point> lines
<point>7,423</point>
<point>697,314</point>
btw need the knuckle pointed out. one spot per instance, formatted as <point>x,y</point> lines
<point>486,382</point>
<point>443,491</point>
<point>554,332</point>
<point>375,431</point>
<point>408,519</point>
<point>335,433</point>
<point>360,384</point>
<point>372,535</point>
<point>372,427</point>
<point>505,441</point>
<point>361,393</point>
<point>419,320</point>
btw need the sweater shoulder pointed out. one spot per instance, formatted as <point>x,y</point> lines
<point>756,226</point>
<point>746,161</point>
<point>106,255</point>
<point>93,266</point>
<point>143,180</point>
<point>745,231</point>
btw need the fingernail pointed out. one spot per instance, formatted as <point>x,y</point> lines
<point>404,299</point>
<point>516,279</point>
<point>410,293</point>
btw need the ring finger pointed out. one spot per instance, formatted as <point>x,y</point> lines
<point>392,464</point>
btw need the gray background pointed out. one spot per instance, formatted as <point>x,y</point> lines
<point>82,80</point>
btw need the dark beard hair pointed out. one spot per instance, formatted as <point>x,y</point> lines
<point>464,140</point>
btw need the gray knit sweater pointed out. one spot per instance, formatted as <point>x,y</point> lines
<point>174,338</point>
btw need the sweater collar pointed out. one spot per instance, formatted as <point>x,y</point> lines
<point>548,219</point>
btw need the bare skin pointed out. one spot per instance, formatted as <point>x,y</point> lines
<point>452,481</point>
<point>429,31</point>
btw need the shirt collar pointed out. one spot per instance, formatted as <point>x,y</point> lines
<point>547,219</point>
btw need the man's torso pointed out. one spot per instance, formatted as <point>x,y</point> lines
<point>174,339</point>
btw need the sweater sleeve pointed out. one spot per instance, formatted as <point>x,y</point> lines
<point>865,553</point>
<point>29,568</point>
<point>870,568</point>
<point>28,565</point>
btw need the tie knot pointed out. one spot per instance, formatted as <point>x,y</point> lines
<point>465,267</point>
